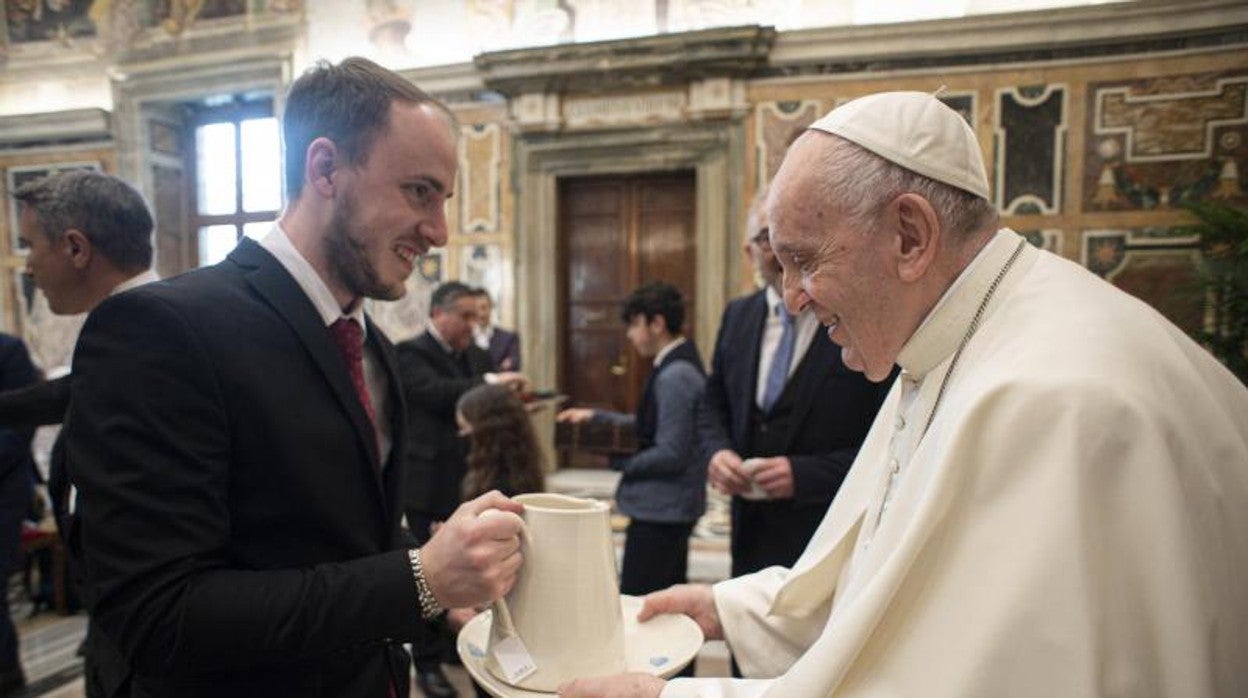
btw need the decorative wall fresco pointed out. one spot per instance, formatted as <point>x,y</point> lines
<point>480,157</point>
<point>118,23</point>
<point>1161,142</point>
<point>48,20</point>
<point>1030,144</point>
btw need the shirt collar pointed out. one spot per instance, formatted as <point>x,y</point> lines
<point>658,358</point>
<point>314,287</point>
<point>945,326</point>
<point>135,281</point>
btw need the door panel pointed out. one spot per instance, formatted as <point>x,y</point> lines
<point>615,234</point>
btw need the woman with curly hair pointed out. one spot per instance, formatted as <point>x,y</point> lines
<point>503,452</point>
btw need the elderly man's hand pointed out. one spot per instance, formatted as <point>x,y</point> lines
<point>775,476</point>
<point>473,559</point>
<point>725,474</point>
<point>693,600</point>
<point>622,686</point>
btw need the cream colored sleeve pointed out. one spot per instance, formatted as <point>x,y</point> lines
<point>764,646</point>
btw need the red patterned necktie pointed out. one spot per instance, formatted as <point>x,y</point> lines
<point>349,337</point>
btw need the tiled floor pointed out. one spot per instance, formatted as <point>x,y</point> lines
<point>49,641</point>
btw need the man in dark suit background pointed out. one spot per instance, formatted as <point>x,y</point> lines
<point>782,417</point>
<point>503,345</point>
<point>238,451</point>
<point>17,483</point>
<point>88,235</point>
<point>436,368</point>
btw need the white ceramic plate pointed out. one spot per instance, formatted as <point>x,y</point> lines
<point>660,646</point>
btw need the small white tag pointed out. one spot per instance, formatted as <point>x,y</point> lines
<point>514,659</point>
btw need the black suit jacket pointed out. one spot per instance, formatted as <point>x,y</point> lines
<point>833,409</point>
<point>36,405</point>
<point>432,383</point>
<point>238,535</point>
<point>17,468</point>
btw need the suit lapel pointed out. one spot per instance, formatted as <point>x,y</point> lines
<point>280,290</point>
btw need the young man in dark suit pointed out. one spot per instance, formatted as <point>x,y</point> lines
<point>782,417</point>
<point>236,433</point>
<point>663,485</point>
<point>436,368</point>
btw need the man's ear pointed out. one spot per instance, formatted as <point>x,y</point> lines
<point>78,246</point>
<point>321,161</point>
<point>919,235</point>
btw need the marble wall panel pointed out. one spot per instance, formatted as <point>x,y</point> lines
<point>1156,143</point>
<point>777,125</point>
<point>480,157</point>
<point>1030,144</point>
<point>1156,265</point>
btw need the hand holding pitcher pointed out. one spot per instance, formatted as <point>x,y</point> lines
<point>471,559</point>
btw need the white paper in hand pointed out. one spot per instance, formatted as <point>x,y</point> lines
<point>514,659</point>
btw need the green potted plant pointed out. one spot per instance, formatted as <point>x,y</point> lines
<point>1223,277</point>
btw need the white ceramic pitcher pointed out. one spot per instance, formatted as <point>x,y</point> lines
<point>565,606</point>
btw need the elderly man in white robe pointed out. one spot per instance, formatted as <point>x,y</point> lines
<point>1053,500</point>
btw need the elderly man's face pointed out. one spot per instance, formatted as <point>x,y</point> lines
<point>840,273</point>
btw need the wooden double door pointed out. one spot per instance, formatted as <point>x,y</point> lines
<point>615,234</point>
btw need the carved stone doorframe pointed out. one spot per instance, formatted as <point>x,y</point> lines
<point>714,151</point>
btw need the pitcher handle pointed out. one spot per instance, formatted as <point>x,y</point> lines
<point>502,614</point>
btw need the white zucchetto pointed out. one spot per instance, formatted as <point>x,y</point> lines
<point>914,130</point>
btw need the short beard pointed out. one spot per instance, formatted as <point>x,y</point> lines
<point>348,257</point>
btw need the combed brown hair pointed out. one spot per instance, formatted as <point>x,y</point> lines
<point>503,451</point>
<point>349,104</point>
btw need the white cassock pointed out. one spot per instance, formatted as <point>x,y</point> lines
<point>1073,522</point>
